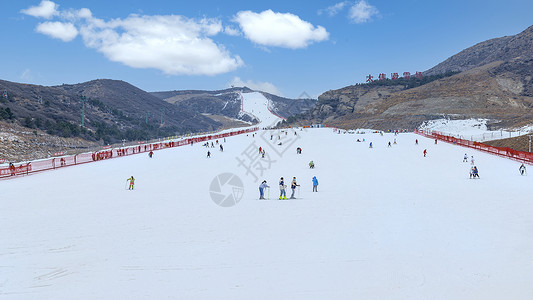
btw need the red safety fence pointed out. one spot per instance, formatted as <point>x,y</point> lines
<point>522,156</point>
<point>59,162</point>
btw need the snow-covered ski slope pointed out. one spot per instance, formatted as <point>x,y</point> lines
<point>386,223</point>
<point>257,105</point>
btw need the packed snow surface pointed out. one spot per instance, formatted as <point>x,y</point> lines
<point>257,105</point>
<point>472,129</point>
<point>386,223</point>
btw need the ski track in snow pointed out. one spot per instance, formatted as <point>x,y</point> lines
<point>257,105</point>
<point>386,223</point>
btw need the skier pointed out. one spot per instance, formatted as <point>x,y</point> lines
<point>262,188</point>
<point>370,146</point>
<point>132,182</point>
<point>212,145</point>
<point>465,158</point>
<point>416,142</point>
<point>315,184</point>
<point>221,148</point>
<point>282,186</point>
<point>263,154</point>
<point>425,152</point>
<point>294,184</point>
<point>208,154</point>
<point>260,150</point>
<point>151,154</point>
<point>435,141</point>
<point>476,172</point>
<point>522,169</point>
<point>311,165</point>
<point>472,160</point>
<point>12,169</point>
<point>471,172</point>
<point>394,142</point>
<point>389,145</point>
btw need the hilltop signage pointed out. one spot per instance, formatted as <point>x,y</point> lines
<point>394,76</point>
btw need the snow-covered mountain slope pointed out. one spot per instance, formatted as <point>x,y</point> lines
<point>472,129</point>
<point>256,105</point>
<point>386,223</point>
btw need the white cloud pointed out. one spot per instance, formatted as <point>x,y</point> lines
<point>46,9</point>
<point>63,31</point>
<point>26,75</point>
<point>232,31</point>
<point>279,29</point>
<point>173,44</point>
<point>334,9</point>
<point>362,12</point>
<point>258,86</point>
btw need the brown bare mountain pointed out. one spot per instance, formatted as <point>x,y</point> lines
<point>495,82</point>
<point>114,110</point>
<point>499,49</point>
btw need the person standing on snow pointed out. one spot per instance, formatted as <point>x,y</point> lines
<point>311,165</point>
<point>465,158</point>
<point>208,154</point>
<point>132,182</point>
<point>389,145</point>
<point>522,169</point>
<point>262,188</point>
<point>370,146</point>
<point>151,154</point>
<point>416,142</point>
<point>294,184</point>
<point>425,152</point>
<point>315,184</point>
<point>282,186</point>
<point>476,172</point>
<point>221,148</point>
<point>472,160</point>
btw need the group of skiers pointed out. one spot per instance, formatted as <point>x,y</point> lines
<point>283,187</point>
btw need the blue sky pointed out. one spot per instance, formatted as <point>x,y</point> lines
<point>284,47</point>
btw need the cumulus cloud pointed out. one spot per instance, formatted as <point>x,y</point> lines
<point>258,86</point>
<point>58,30</point>
<point>173,44</point>
<point>46,9</point>
<point>286,30</point>
<point>334,9</point>
<point>176,45</point>
<point>362,12</point>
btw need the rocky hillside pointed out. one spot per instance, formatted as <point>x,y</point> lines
<point>228,102</point>
<point>114,110</point>
<point>18,143</point>
<point>496,83</point>
<point>499,49</point>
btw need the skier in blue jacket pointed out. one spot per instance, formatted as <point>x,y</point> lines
<point>315,184</point>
